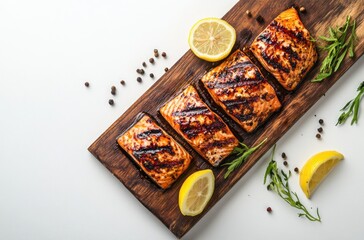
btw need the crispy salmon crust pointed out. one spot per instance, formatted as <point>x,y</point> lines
<point>285,49</point>
<point>241,90</point>
<point>156,152</point>
<point>203,129</point>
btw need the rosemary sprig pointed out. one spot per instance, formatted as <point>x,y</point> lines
<point>339,43</point>
<point>279,184</point>
<point>352,107</point>
<point>242,152</point>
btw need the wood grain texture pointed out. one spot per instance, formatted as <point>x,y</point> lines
<point>189,69</point>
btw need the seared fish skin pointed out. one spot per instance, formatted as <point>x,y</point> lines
<point>203,129</point>
<point>156,152</point>
<point>285,50</point>
<point>241,90</point>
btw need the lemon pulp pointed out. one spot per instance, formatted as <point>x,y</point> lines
<point>212,39</point>
<point>196,192</point>
<point>316,169</point>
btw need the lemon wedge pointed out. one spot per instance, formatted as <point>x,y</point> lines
<point>212,39</point>
<point>196,192</point>
<point>316,169</point>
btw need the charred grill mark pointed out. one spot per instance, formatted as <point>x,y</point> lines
<point>274,62</point>
<point>152,150</point>
<point>152,132</point>
<point>297,35</point>
<point>218,144</point>
<point>236,82</point>
<point>292,55</point>
<point>234,103</point>
<point>152,164</point>
<point>191,111</point>
<point>192,130</point>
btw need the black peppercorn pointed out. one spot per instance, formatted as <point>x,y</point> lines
<point>144,64</point>
<point>269,209</point>
<point>139,79</point>
<point>151,75</point>
<point>122,82</point>
<point>155,50</point>
<point>140,71</point>
<point>320,129</point>
<point>318,136</point>
<point>87,84</point>
<point>260,19</point>
<point>321,121</point>
<point>166,69</point>
<point>151,60</point>
<point>284,156</point>
<point>285,163</point>
<point>296,169</point>
<point>113,90</point>
<point>156,54</point>
<point>302,9</point>
<point>164,54</point>
<point>111,102</point>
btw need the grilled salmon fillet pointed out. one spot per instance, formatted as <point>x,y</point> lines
<point>156,152</point>
<point>241,90</point>
<point>203,129</point>
<point>285,50</point>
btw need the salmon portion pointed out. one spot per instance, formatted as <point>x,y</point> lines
<point>285,50</point>
<point>241,90</point>
<point>156,152</point>
<point>203,129</point>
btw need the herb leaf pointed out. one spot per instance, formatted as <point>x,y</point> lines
<point>352,107</point>
<point>242,152</point>
<point>279,184</point>
<point>340,42</point>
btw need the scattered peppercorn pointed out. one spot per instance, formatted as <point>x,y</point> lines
<point>87,84</point>
<point>321,121</point>
<point>144,64</point>
<point>151,60</point>
<point>296,169</point>
<point>318,136</point>
<point>166,69</point>
<point>122,82</point>
<point>248,13</point>
<point>285,163</point>
<point>139,79</point>
<point>113,90</point>
<point>284,156</point>
<point>151,75</point>
<point>140,71</point>
<point>302,9</point>
<point>111,102</point>
<point>155,50</point>
<point>269,209</point>
<point>164,54</point>
<point>320,129</point>
<point>156,54</point>
<point>260,19</point>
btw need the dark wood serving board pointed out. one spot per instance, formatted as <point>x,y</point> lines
<point>189,69</point>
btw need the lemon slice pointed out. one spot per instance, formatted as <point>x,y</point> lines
<point>196,192</point>
<point>316,169</point>
<point>212,39</point>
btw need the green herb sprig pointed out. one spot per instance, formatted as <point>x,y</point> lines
<point>339,43</point>
<point>279,184</point>
<point>242,152</point>
<point>352,107</point>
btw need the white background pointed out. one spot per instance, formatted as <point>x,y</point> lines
<point>51,187</point>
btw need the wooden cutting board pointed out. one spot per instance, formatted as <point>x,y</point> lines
<point>189,69</point>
